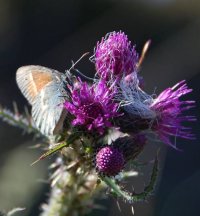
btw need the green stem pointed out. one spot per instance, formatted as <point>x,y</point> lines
<point>134,197</point>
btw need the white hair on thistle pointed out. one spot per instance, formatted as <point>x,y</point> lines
<point>134,100</point>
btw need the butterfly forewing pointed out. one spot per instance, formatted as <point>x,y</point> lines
<point>31,79</point>
<point>44,89</point>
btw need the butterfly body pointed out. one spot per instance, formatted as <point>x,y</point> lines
<point>45,89</point>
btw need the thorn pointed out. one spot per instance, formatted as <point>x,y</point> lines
<point>74,163</point>
<point>42,181</point>
<point>35,146</point>
<point>132,210</point>
<point>119,206</point>
<point>143,54</point>
<point>158,152</point>
<point>28,115</point>
<point>16,111</point>
<point>55,180</point>
<point>40,158</point>
<point>13,211</point>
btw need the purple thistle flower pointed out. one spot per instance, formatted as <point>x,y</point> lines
<point>115,56</point>
<point>92,106</point>
<point>169,110</point>
<point>109,161</point>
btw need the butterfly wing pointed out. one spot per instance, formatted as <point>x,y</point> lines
<point>32,78</point>
<point>47,110</point>
<point>44,89</point>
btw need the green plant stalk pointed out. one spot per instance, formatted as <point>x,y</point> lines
<point>134,197</point>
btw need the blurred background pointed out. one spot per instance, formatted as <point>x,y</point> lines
<point>52,33</point>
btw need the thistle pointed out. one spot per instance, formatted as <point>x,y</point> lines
<point>98,129</point>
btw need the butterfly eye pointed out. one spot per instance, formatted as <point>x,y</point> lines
<point>63,92</point>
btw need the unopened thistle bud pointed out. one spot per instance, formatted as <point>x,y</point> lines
<point>109,161</point>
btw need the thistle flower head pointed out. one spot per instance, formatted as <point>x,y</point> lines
<point>92,106</point>
<point>169,113</point>
<point>109,161</point>
<point>115,56</point>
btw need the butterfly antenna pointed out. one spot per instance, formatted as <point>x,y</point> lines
<point>73,64</point>
<point>143,54</point>
<point>83,75</point>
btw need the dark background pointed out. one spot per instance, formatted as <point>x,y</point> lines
<point>52,33</point>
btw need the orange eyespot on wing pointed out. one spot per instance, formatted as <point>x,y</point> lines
<point>32,79</point>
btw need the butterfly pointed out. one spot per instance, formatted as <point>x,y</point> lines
<point>45,90</point>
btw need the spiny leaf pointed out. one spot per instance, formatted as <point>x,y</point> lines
<point>150,187</point>
<point>58,147</point>
<point>50,152</point>
<point>134,197</point>
<point>18,120</point>
<point>15,210</point>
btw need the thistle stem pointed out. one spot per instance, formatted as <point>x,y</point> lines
<point>71,190</point>
<point>134,197</point>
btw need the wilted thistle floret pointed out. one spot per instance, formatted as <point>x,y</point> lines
<point>169,113</point>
